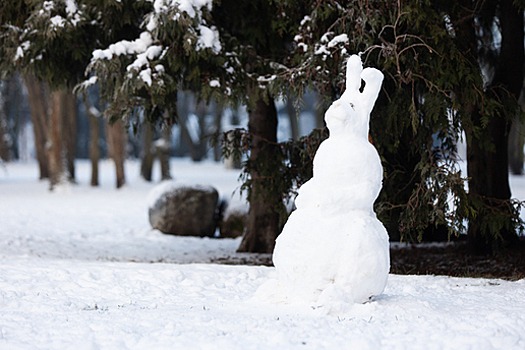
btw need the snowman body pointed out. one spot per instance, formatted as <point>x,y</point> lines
<point>333,248</point>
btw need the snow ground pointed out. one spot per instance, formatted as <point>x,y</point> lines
<point>82,269</point>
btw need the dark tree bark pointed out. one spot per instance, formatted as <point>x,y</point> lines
<point>94,138</point>
<point>219,109</point>
<point>516,144</point>
<point>69,133</point>
<point>57,170</point>
<point>38,105</point>
<point>488,166</point>
<point>94,149</point>
<point>117,149</point>
<point>4,145</point>
<point>264,222</point>
<point>148,156</point>
<point>163,151</point>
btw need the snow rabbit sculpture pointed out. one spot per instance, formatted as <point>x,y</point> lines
<point>333,249</point>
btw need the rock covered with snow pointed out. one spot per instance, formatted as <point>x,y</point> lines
<point>333,250</point>
<point>233,221</point>
<point>183,210</point>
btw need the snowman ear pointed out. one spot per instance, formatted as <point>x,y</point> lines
<point>354,67</point>
<point>373,79</point>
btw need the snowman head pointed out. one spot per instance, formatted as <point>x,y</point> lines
<point>351,113</point>
<point>340,117</point>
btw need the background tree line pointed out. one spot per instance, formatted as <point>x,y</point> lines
<point>450,68</point>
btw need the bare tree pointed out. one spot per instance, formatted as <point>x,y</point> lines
<point>117,139</point>
<point>57,170</point>
<point>94,116</point>
<point>146,165</point>
<point>163,152</point>
<point>69,132</point>
<point>4,144</point>
<point>37,96</point>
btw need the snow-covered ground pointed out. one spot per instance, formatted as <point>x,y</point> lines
<point>80,268</point>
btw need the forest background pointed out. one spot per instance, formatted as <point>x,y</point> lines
<point>454,72</point>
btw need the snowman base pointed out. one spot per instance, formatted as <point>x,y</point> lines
<point>348,264</point>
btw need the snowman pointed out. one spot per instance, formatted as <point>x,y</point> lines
<point>333,249</point>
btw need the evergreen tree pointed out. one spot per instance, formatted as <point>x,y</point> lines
<point>225,51</point>
<point>434,88</point>
<point>488,119</point>
<point>438,82</point>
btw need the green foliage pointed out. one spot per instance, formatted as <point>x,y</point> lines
<point>431,84</point>
<point>408,43</point>
<point>496,216</point>
<point>142,74</point>
<point>266,48</point>
<point>292,160</point>
<point>54,41</point>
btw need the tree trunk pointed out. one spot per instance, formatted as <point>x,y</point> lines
<point>163,150</point>
<point>219,109</point>
<point>38,106</point>
<point>94,149</point>
<point>488,166</point>
<point>195,142</point>
<point>94,136</point>
<point>488,184</point>
<point>232,162</point>
<point>517,140</point>
<point>117,149</point>
<point>4,137</point>
<point>264,222</point>
<point>146,164</point>
<point>516,144</point>
<point>69,132</point>
<point>56,155</point>
<point>293,117</point>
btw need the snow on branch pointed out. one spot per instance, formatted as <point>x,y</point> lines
<point>191,7</point>
<point>147,48</point>
<point>49,11</point>
<point>209,39</point>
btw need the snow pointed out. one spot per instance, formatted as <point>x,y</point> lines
<point>57,21</point>
<point>143,51</point>
<point>322,50</point>
<point>123,47</point>
<point>305,20</point>
<point>339,39</point>
<point>159,68</point>
<point>48,6</point>
<point>145,75</point>
<point>191,7</point>
<point>71,7</point>
<point>84,270</point>
<point>209,39</point>
<point>168,186</point>
<point>336,205</point>
<point>215,83</point>
<point>21,49</point>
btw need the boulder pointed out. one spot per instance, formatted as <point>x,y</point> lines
<point>184,210</point>
<point>233,222</point>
